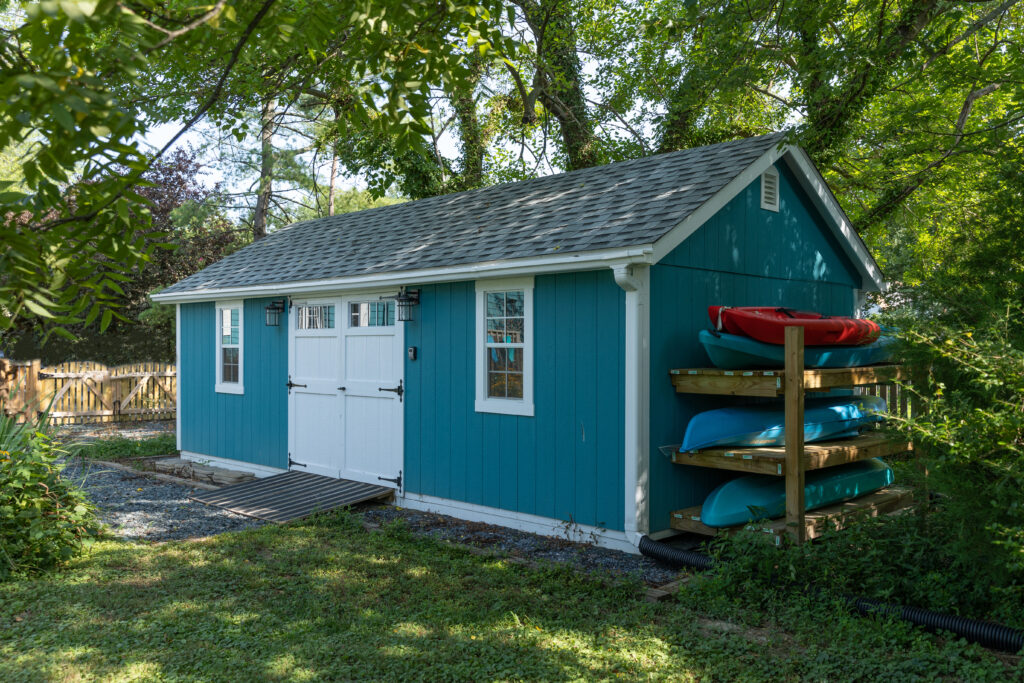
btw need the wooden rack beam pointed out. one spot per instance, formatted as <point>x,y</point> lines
<point>770,459</point>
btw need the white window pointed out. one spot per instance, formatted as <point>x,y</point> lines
<point>372,314</point>
<point>770,190</point>
<point>317,317</point>
<point>229,347</point>
<point>504,346</point>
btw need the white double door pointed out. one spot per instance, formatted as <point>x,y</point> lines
<point>346,386</point>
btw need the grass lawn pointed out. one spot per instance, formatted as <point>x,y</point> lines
<point>327,600</point>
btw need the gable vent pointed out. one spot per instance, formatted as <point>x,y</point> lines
<point>770,190</point>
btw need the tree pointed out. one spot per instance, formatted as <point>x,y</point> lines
<point>88,78</point>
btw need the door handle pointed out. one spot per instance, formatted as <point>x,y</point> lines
<point>341,388</point>
<point>398,390</point>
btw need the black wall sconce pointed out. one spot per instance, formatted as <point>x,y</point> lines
<point>274,310</point>
<point>406,298</point>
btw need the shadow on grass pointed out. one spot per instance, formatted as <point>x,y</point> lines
<point>326,600</point>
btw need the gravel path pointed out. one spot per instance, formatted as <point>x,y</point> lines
<point>140,508</point>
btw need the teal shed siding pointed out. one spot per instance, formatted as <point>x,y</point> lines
<point>251,427</point>
<point>566,462</point>
<point>743,256</point>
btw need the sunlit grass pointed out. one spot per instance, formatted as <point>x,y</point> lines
<point>327,600</point>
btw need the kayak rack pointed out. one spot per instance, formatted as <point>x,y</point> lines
<point>795,458</point>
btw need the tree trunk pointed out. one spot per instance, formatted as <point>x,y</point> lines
<point>330,190</point>
<point>472,138</point>
<point>558,80</point>
<point>268,114</point>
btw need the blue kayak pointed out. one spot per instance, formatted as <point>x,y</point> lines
<point>828,417</point>
<point>761,496</point>
<point>733,352</point>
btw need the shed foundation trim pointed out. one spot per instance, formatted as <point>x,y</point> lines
<point>546,526</point>
<point>230,464</point>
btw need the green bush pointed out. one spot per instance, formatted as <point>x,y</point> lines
<point>45,520</point>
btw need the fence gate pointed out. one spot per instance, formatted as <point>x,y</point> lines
<point>84,391</point>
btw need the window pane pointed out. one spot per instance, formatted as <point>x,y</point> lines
<point>496,384</point>
<point>495,304</point>
<point>229,326</point>
<point>229,367</point>
<point>514,331</point>
<point>496,330</point>
<point>515,385</point>
<point>497,359</point>
<point>514,304</point>
<point>515,360</point>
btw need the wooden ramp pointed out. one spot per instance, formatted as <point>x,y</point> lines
<point>291,495</point>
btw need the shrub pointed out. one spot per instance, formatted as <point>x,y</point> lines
<point>45,520</point>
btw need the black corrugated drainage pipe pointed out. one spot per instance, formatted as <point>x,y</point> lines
<point>984,633</point>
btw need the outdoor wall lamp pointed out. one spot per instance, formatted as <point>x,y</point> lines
<point>274,310</point>
<point>406,298</point>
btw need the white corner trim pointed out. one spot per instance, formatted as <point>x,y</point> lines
<point>689,225</point>
<point>505,406</point>
<point>546,526</point>
<point>535,265</point>
<point>637,404</point>
<point>230,464</point>
<point>177,376</point>
<point>818,189</point>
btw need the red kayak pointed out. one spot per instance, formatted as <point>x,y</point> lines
<point>768,324</point>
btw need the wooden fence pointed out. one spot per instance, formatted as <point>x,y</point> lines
<point>83,391</point>
<point>897,398</point>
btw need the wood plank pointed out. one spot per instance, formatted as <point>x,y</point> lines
<point>772,382</point>
<point>816,523</point>
<point>726,382</point>
<point>770,459</point>
<point>794,430</point>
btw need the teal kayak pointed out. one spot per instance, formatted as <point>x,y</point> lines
<point>826,417</point>
<point>733,352</point>
<point>761,496</point>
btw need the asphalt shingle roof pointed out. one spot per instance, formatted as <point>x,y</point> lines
<point>617,205</point>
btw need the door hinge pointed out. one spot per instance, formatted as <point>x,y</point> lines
<point>293,462</point>
<point>396,480</point>
<point>292,384</point>
<point>400,389</point>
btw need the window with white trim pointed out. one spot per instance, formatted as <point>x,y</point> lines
<point>229,347</point>
<point>770,190</point>
<point>504,346</point>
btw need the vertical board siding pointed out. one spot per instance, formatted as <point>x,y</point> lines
<point>251,427</point>
<point>565,462</point>
<point>743,256</point>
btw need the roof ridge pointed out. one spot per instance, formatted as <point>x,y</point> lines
<point>624,163</point>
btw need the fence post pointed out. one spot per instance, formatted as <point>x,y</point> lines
<point>32,394</point>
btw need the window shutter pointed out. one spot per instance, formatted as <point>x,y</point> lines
<point>770,190</point>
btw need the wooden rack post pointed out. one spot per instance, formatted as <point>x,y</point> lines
<point>794,426</point>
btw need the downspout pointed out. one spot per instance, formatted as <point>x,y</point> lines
<point>633,277</point>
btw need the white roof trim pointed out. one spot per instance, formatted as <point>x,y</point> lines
<point>816,188</point>
<point>555,263</point>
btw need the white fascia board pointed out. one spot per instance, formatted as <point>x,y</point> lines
<point>235,465</point>
<point>555,263</point>
<point>819,191</point>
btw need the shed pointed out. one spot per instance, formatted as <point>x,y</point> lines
<point>530,388</point>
